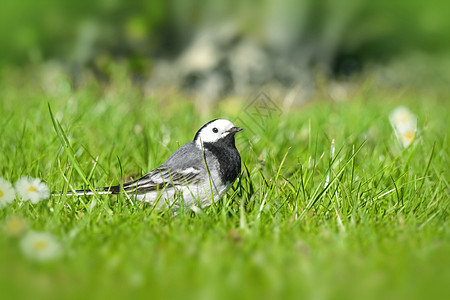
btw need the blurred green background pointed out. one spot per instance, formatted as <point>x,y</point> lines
<point>218,48</point>
<point>117,75</point>
<point>34,30</point>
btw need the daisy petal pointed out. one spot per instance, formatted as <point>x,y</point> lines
<point>40,246</point>
<point>404,123</point>
<point>7,194</point>
<point>32,189</point>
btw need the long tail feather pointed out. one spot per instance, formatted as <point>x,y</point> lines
<point>102,191</point>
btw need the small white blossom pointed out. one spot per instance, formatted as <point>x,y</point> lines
<point>32,189</point>
<point>332,149</point>
<point>7,194</point>
<point>14,226</point>
<point>40,246</point>
<point>404,123</point>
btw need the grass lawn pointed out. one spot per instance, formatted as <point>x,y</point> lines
<point>369,220</point>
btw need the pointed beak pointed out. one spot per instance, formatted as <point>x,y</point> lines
<point>235,129</point>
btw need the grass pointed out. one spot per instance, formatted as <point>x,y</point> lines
<point>377,227</point>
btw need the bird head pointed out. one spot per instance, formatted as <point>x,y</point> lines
<point>215,131</point>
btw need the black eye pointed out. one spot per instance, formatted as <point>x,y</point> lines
<point>215,130</point>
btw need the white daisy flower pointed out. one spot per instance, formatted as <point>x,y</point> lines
<point>40,246</point>
<point>32,189</point>
<point>14,226</point>
<point>7,194</point>
<point>404,123</point>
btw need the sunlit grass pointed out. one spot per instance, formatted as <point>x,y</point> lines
<point>308,218</point>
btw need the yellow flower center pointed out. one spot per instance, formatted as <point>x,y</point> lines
<point>1,193</point>
<point>40,245</point>
<point>15,226</point>
<point>31,189</point>
<point>409,136</point>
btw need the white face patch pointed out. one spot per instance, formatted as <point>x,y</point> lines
<point>214,131</point>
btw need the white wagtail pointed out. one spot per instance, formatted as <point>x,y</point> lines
<point>199,172</point>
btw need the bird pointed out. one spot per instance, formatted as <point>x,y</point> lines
<point>199,173</point>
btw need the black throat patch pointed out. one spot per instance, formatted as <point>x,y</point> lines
<point>228,157</point>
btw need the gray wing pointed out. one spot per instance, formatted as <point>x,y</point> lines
<point>187,156</point>
<point>184,167</point>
